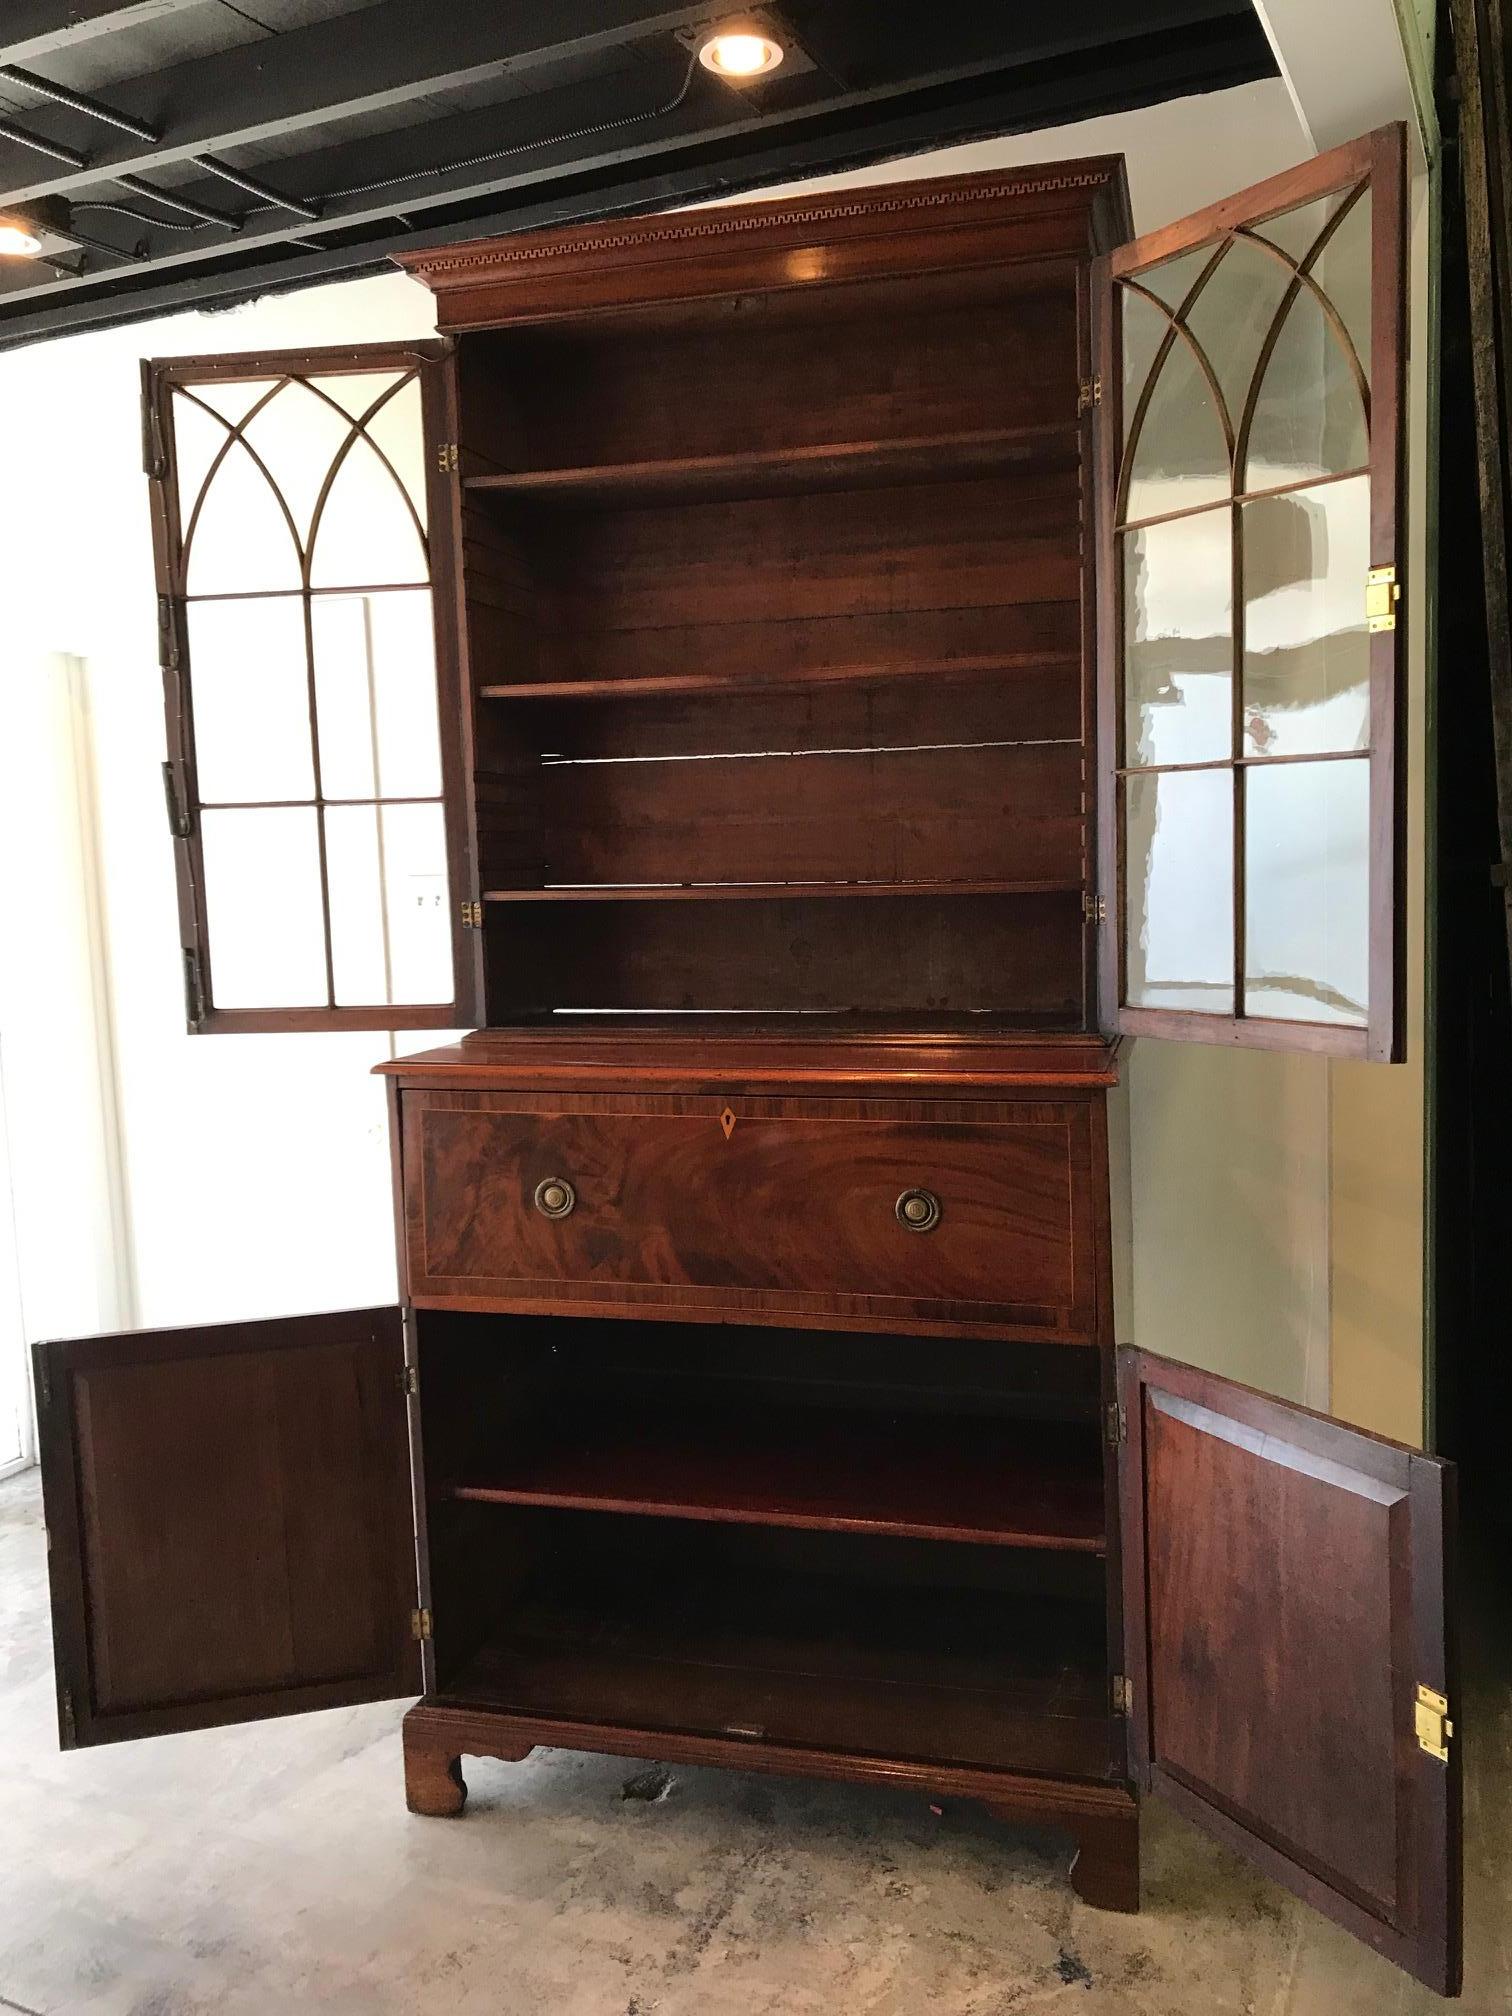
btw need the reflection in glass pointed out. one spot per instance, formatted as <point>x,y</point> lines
<point>251,699</point>
<point>375,684</point>
<point>1230,316</point>
<point>1306,647</point>
<point>1308,416</point>
<point>1342,268</point>
<point>1180,456</point>
<point>262,899</point>
<point>1307,888</point>
<point>1178,640</point>
<point>1179,891</point>
<point>390,918</point>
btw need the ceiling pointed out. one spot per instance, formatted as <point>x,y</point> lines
<point>178,151</point>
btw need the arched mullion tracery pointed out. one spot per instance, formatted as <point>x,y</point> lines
<point>236,436</point>
<point>359,430</point>
<point>1176,330</point>
<point>1302,277</point>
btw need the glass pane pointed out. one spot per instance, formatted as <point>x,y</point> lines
<point>1179,839</point>
<point>197,438</point>
<point>233,398</point>
<point>1179,455</point>
<point>1307,891</point>
<point>390,918</point>
<point>367,532</point>
<point>262,897</point>
<point>251,700</point>
<point>241,540</point>
<point>1342,270</point>
<point>1178,640</point>
<point>1173,279</point>
<point>357,392</point>
<point>1306,647</point>
<point>299,437</point>
<point>399,430</point>
<point>375,677</point>
<point>1308,418</point>
<point>1231,315</point>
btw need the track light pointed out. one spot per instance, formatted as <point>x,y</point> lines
<point>740,51</point>
<point>18,239</point>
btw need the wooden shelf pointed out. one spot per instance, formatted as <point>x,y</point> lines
<point>776,472</point>
<point>691,683</point>
<point>1010,1484</point>
<point>968,1676</point>
<point>725,892</point>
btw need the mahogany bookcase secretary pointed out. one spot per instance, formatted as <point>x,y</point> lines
<point>798,680</point>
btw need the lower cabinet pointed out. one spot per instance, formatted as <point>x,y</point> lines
<point>828,1557</point>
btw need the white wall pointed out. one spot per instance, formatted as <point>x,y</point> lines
<point>256,1170</point>
<point>257,1165</point>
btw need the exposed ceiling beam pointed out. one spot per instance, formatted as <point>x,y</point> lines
<point>382,57</point>
<point>722,163</point>
<point>695,126</point>
<point>33,28</point>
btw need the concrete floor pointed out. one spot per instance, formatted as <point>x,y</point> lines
<point>254,1871</point>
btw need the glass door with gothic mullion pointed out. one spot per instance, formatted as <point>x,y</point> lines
<point>311,767</point>
<point>1253,701</point>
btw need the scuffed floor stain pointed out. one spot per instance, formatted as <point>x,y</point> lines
<point>1073,1970</point>
<point>652,1784</point>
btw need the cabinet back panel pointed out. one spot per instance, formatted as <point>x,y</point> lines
<point>990,543</point>
<point>909,815</point>
<point>1012,955</point>
<point>763,370</point>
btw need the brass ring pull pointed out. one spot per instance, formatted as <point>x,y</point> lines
<point>918,1210</point>
<point>555,1197</point>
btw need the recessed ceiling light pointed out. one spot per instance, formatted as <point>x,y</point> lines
<point>739,51</point>
<point>17,239</point>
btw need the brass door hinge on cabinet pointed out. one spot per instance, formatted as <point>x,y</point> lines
<point>1430,1716</point>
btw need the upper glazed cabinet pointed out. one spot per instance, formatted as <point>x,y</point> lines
<point>935,613</point>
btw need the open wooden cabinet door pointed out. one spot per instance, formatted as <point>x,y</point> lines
<point>1287,1626</point>
<point>230,1522</point>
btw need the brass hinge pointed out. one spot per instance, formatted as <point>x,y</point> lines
<point>1089,394</point>
<point>1431,1719</point>
<point>472,916</point>
<point>1118,1425</point>
<point>1381,598</point>
<point>70,1728</point>
<point>1095,909</point>
<point>409,1380</point>
<point>447,458</point>
<point>178,818</point>
<point>194,989</point>
<point>420,1625</point>
<point>1123,1694</point>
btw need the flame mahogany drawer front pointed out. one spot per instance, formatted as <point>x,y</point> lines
<point>940,1214</point>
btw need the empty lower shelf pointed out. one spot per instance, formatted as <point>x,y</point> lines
<point>1013,1484</point>
<point>965,1676</point>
